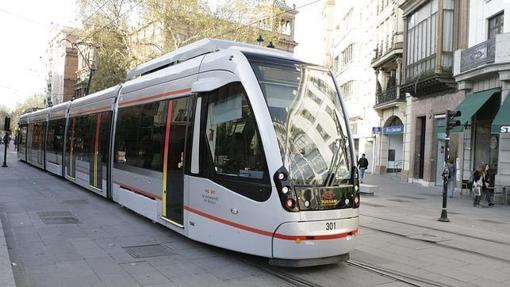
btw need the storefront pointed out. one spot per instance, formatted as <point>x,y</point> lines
<point>485,118</point>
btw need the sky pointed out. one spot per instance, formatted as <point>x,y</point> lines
<point>26,26</point>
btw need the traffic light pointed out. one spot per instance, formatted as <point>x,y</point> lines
<point>7,124</point>
<point>451,119</point>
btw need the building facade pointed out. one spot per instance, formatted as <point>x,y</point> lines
<point>62,65</point>
<point>433,30</point>
<point>352,50</point>
<point>392,132</point>
<point>482,72</point>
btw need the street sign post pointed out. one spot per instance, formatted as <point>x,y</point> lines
<point>7,129</point>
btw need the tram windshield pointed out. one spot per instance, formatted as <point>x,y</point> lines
<point>308,119</point>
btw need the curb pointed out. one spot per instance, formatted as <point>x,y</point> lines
<point>6,274</point>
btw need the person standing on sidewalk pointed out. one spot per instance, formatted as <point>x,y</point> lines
<point>486,187</point>
<point>477,186</point>
<point>362,165</point>
<point>451,176</point>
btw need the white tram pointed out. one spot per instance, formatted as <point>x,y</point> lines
<point>233,145</point>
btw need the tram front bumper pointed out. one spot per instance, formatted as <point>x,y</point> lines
<point>315,239</point>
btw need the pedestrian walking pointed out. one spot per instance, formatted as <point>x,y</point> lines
<point>362,165</point>
<point>451,176</point>
<point>477,185</point>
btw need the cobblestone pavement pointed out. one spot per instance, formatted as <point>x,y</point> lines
<point>59,234</point>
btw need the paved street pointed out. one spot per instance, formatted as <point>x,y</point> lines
<point>58,234</point>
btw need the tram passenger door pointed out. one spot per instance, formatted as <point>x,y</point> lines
<point>177,123</point>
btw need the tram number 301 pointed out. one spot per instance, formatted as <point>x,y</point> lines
<point>330,225</point>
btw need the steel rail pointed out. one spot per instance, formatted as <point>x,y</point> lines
<point>439,229</point>
<point>396,275</point>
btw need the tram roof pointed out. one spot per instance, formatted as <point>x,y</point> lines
<point>202,47</point>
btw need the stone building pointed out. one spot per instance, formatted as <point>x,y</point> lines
<point>62,65</point>
<point>482,72</point>
<point>392,132</point>
<point>433,30</point>
<point>352,50</point>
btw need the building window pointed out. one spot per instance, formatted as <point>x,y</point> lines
<point>347,54</point>
<point>347,89</point>
<point>422,39</point>
<point>495,25</point>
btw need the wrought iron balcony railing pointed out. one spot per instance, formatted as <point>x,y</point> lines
<point>390,94</point>
<point>481,54</point>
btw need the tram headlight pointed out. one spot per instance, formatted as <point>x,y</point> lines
<point>307,204</point>
<point>285,190</point>
<point>281,176</point>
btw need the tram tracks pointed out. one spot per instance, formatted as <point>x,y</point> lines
<point>439,230</point>
<point>397,275</point>
<point>440,243</point>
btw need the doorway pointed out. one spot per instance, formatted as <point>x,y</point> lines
<point>419,162</point>
<point>177,123</point>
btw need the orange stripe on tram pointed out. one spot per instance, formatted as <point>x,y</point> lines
<point>137,190</point>
<point>353,232</point>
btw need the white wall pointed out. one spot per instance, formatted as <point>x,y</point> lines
<point>479,12</point>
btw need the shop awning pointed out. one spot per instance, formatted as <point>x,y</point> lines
<point>471,105</point>
<point>501,123</point>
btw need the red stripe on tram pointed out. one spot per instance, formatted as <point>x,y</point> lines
<point>353,232</point>
<point>137,190</point>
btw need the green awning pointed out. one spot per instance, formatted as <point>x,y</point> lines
<point>471,105</point>
<point>501,123</point>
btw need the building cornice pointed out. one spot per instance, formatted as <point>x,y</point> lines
<point>390,56</point>
<point>409,6</point>
<point>482,71</point>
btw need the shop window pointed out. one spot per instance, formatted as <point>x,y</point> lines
<point>391,155</point>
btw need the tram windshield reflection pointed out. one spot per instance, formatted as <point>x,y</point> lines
<point>308,119</point>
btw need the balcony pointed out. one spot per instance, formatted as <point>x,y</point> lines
<point>491,56</point>
<point>478,55</point>
<point>387,97</point>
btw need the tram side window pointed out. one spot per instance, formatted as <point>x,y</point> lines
<point>140,136</point>
<point>36,142</point>
<point>55,142</point>
<point>234,145</point>
<point>83,135</point>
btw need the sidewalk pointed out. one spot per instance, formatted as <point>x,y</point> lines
<point>6,275</point>
<point>421,204</point>
<point>473,249</point>
<point>59,234</point>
